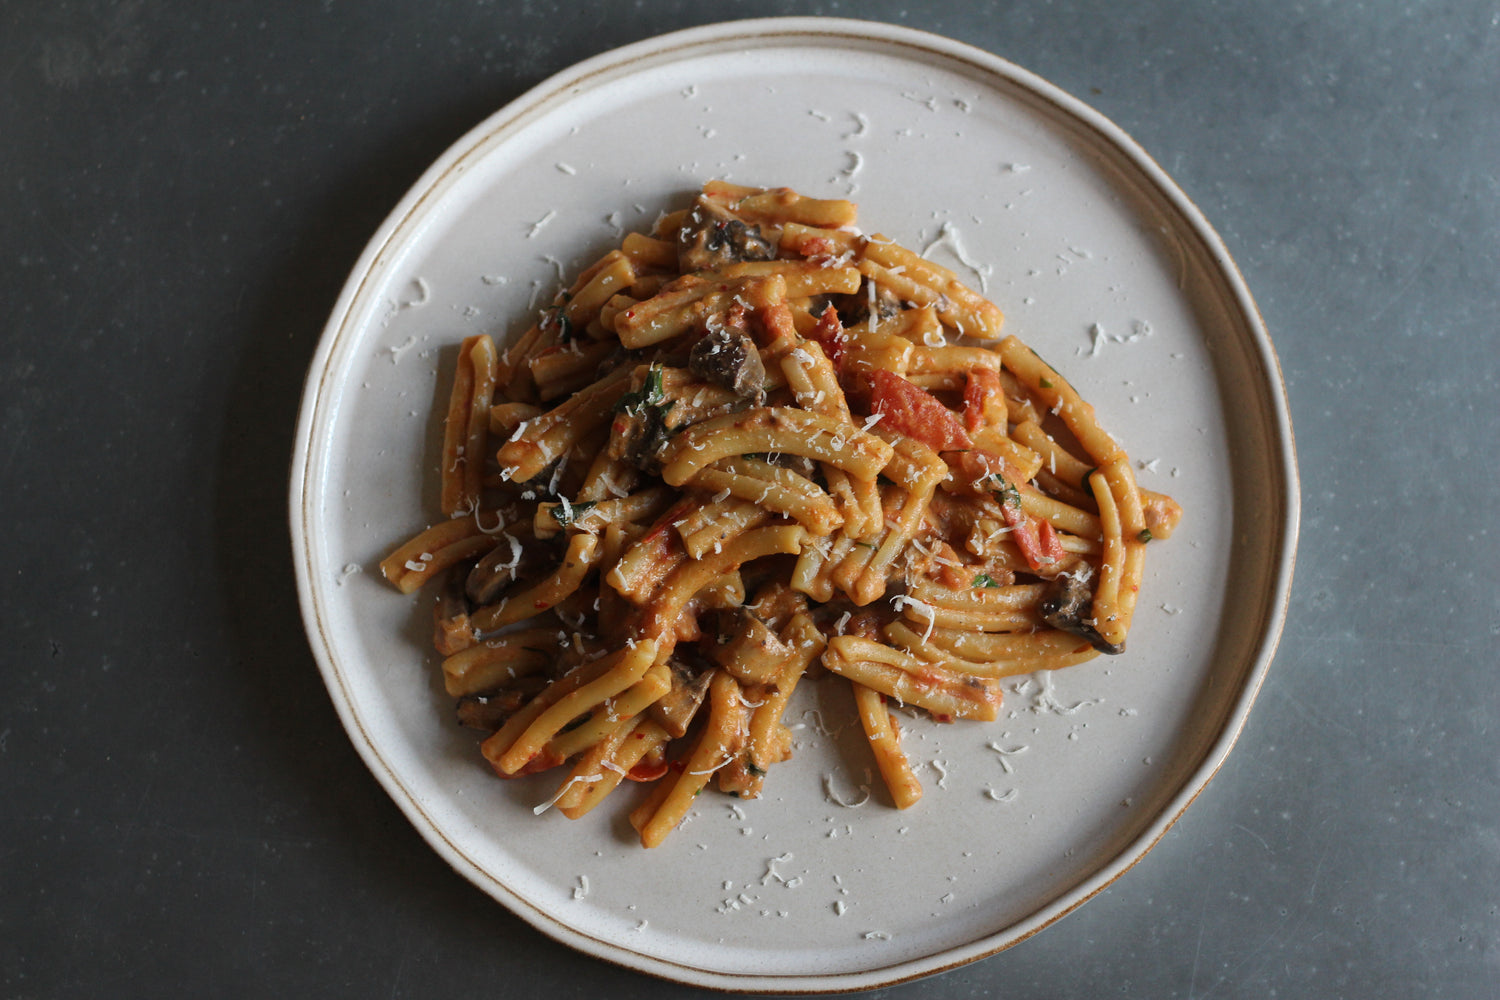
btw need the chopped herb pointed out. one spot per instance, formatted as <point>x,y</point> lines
<point>648,406</point>
<point>566,514</point>
<point>868,545</point>
<point>1010,494</point>
<point>984,580</point>
<point>1145,535</point>
<point>650,397</point>
<point>755,769</point>
<point>556,317</point>
<point>1046,383</point>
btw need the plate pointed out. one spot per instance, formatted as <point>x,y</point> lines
<point>1100,263</point>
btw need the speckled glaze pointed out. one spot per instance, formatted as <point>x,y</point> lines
<point>1100,263</point>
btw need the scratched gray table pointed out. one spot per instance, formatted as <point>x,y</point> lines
<point>183,188</point>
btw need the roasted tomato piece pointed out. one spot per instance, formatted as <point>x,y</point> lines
<point>830,335</point>
<point>911,410</point>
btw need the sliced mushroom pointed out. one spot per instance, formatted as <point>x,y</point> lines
<point>640,436</point>
<point>776,602</point>
<point>728,358</point>
<point>451,629</point>
<point>662,401</point>
<point>488,712</point>
<point>803,466</point>
<point>856,308</point>
<point>1067,605</point>
<point>748,649</point>
<point>516,554</point>
<point>675,709</point>
<point>712,238</point>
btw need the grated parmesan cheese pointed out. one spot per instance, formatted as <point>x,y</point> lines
<point>901,601</point>
<point>942,770</point>
<point>833,797</point>
<point>540,224</point>
<point>538,810</point>
<point>1006,753</point>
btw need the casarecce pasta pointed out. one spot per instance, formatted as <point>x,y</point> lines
<point>753,445</point>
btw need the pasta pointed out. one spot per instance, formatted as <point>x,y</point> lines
<point>751,446</point>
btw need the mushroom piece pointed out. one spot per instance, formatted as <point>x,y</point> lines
<point>675,709</point>
<point>856,308</point>
<point>1066,606</point>
<point>775,602</point>
<point>488,712</point>
<point>509,560</point>
<point>712,238</point>
<point>728,358</point>
<point>451,630</point>
<point>640,432</point>
<point>748,649</point>
<point>662,401</point>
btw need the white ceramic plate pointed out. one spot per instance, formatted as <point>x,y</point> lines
<point>1100,263</point>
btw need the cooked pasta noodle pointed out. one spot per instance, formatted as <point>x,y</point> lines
<point>748,444</point>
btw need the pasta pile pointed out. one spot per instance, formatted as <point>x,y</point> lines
<point>752,447</point>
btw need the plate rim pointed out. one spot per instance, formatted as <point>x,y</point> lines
<point>1252,334</point>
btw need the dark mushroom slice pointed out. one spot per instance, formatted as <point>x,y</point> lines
<point>775,602</point>
<point>712,238</point>
<point>640,433</point>
<point>857,308</point>
<point>661,402</point>
<point>728,358</point>
<point>451,628</point>
<point>675,709</point>
<point>516,554</point>
<point>640,437</point>
<point>488,712</point>
<point>1067,605</point>
<point>748,649</point>
<point>805,467</point>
